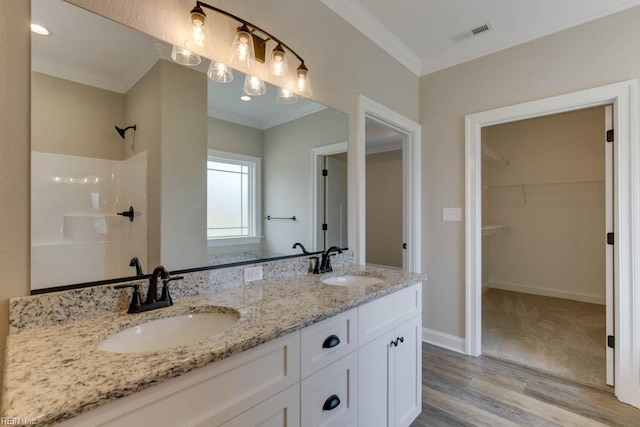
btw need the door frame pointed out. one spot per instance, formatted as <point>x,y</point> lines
<point>626,193</point>
<point>316,153</point>
<point>412,179</point>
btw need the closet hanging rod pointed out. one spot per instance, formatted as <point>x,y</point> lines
<point>547,183</point>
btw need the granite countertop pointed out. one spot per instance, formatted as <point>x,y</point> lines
<point>55,373</point>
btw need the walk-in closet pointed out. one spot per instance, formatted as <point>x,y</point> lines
<point>544,262</point>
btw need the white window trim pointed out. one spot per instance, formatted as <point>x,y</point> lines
<point>256,214</point>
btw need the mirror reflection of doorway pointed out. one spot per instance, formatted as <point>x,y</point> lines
<point>330,198</point>
<point>384,195</point>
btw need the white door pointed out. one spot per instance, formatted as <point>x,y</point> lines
<point>609,270</point>
<point>336,202</point>
<point>374,382</point>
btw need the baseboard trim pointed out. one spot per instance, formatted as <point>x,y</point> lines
<point>440,339</point>
<point>546,292</point>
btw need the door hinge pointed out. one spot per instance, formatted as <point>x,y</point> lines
<point>325,172</point>
<point>404,246</point>
<point>610,239</point>
<point>324,227</point>
<point>610,135</point>
<point>611,341</point>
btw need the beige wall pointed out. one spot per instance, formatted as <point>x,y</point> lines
<point>556,242</point>
<point>287,170</point>
<point>384,208</point>
<point>183,162</point>
<point>75,119</point>
<point>15,154</point>
<point>143,108</point>
<point>590,55</point>
<point>234,138</point>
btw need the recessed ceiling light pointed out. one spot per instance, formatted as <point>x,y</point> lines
<point>245,98</point>
<point>40,30</point>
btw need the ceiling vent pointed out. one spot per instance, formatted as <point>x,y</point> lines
<point>464,35</point>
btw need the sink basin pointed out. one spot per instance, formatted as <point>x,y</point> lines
<point>351,280</point>
<point>169,332</point>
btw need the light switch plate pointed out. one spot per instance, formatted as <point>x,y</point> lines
<point>252,274</point>
<point>452,214</point>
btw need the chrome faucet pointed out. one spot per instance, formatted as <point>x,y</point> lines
<point>323,264</point>
<point>151,302</point>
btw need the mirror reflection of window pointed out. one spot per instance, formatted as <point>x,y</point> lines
<point>233,198</point>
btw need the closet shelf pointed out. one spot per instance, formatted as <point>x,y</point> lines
<point>534,184</point>
<point>490,230</point>
<point>492,154</point>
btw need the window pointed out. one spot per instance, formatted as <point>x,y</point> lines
<point>233,198</point>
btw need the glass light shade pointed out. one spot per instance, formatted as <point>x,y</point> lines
<point>277,62</point>
<point>286,96</point>
<point>254,86</point>
<point>242,49</point>
<point>219,72</point>
<point>197,21</point>
<point>184,56</point>
<point>303,83</point>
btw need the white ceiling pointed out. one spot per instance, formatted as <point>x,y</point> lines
<point>417,32</point>
<point>92,50</point>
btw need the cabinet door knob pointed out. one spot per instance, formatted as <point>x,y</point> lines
<point>394,343</point>
<point>331,403</point>
<point>331,341</point>
<point>401,339</point>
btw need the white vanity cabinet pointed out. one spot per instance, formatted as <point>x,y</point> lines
<point>344,371</point>
<point>212,395</point>
<point>390,360</point>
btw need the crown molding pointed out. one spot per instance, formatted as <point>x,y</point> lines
<point>142,67</point>
<point>293,114</point>
<point>77,75</point>
<point>367,24</point>
<point>236,118</point>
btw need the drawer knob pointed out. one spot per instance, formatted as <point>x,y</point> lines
<point>331,403</point>
<point>331,341</point>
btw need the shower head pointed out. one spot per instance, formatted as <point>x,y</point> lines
<point>122,131</point>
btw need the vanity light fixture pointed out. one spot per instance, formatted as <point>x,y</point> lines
<point>254,86</point>
<point>219,72</point>
<point>249,45</point>
<point>286,96</point>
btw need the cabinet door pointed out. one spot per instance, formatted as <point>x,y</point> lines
<point>282,410</point>
<point>408,372</point>
<point>374,382</point>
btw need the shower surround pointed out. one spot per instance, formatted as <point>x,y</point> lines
<point>76,233</point>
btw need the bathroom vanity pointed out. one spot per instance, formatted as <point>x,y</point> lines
<point>302,353</point>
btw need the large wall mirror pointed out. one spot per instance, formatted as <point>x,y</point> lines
<point>205,178</point>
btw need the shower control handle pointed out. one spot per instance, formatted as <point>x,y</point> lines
<point>129,214</point>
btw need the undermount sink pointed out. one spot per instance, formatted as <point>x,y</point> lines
<point>169,332</point>
<point>351,280</point>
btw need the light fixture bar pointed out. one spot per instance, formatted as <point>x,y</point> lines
<point>200,4</point>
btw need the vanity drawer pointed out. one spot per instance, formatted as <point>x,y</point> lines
<point>208,396</point>
<point>379,316</point>
<point>329,397</point>
<point>327,341</point>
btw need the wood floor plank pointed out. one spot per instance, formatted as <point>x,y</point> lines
<point>462,410</point>
<point>545,410</point>
<point>460,390</point>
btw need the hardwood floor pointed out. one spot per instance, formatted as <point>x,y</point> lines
<point>459,390</point>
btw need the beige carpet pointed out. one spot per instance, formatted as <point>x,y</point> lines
<point>562,337</point>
